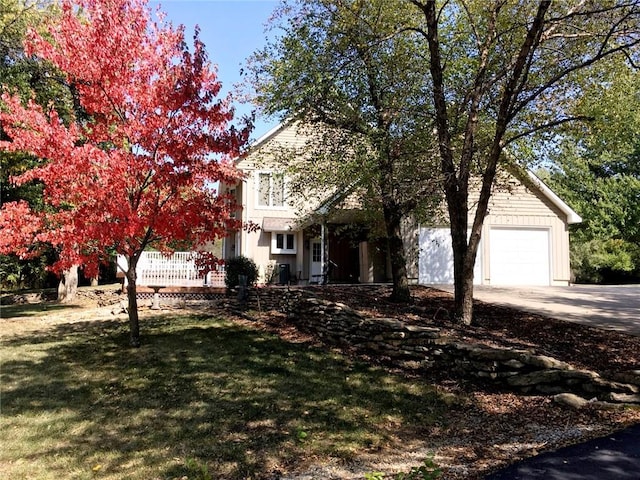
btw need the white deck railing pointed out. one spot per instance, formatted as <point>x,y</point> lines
<point>176,270</point>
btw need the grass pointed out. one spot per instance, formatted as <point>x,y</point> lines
<point>202,398</point>
<point>33,309</point>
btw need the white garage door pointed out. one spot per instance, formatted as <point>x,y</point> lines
<point>519,256</point>
<point>435,262</point>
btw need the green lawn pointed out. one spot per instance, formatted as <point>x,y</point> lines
<point>33,309</point>
<point>202,398</point>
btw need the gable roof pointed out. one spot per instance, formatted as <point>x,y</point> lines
<point>262,140</point>
<point>572,216</point>
<point>532,178</point>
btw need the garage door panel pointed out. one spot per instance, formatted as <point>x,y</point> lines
<point>519,256</point>
<point>436,256</point>
<point>435,261</point>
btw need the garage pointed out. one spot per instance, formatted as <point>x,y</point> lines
<point>519,256</point>
<point>435,260</point>
<point>525,240</point>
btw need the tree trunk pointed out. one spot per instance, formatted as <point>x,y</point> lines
<point>465,249</point>
<point>68,286</point>
<point>463,299</point>
<point>94,282</point>
<point>397,255</point>
<point>134,325</point>
<point>463,296</point>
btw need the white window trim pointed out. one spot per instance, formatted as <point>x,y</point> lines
<point>256,181</point>
<point>283,251</point>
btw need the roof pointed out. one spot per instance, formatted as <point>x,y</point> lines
<point>572,216</point>
<point>263,139</point>
<point>278,224</point>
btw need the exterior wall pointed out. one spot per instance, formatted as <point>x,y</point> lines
<point>516,205</point>
<point>513,205</point>
<point>257,244</point>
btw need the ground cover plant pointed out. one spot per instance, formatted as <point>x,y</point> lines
<point>212,395</point>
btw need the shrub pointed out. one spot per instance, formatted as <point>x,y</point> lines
<point>605,261</point>
<point>234,267</point>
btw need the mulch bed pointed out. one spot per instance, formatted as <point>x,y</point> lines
<point>582,346</point>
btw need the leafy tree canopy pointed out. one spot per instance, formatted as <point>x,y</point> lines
<point>353,81</point>
<point>139,168</point>
<point>489,73</point>
<point>28,77</point>
<point>597,169</point>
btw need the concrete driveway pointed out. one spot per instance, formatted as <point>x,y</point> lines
<point>613,307</point>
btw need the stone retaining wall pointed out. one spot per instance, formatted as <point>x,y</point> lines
<point>513,369</point>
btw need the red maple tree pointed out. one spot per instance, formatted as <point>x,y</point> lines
<point>138,167</point>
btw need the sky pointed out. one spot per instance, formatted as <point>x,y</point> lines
<point>231,31</point>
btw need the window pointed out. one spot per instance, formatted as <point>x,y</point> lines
<point>283,243</point>
<point>316,254</point>
<point>270,189</point>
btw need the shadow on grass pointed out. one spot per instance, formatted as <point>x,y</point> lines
<point>33,309</point>
<point>201,397</point>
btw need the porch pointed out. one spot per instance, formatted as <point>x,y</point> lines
<point>176,271</point>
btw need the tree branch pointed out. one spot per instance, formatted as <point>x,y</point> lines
<point>548,125</point>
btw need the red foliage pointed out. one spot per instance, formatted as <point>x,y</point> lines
<point>142,169</point>
<point>207,262</point>
<point>22,238</point>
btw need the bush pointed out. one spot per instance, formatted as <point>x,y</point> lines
<point>234,267</point>
<point>605,261</point>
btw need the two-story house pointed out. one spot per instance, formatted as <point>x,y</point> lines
<point>525,238</point>
<point>300,241</point>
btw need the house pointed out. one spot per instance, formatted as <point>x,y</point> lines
<point>525,235</point>
<point>301,242</point>
<point>525,238</point>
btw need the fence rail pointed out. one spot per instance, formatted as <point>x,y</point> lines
<point>176,270</point>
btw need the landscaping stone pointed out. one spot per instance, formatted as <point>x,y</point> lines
<point>570,400</point>
<point>623,397</point>
<point>513,369</point>
<point>631,376</point>
<point>544,361</point>
<point>535,378</point>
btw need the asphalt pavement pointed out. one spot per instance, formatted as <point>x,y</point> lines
<point>614,457</point>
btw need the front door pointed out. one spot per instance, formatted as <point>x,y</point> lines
<point>315,268</point>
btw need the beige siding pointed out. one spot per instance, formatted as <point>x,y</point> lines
<point>257,244</point>
<point>286,138</point>
<point>515,205</point>
<point>282,143</point>
<point>520,206</point>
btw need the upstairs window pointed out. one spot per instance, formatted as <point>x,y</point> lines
<point>270,189</point>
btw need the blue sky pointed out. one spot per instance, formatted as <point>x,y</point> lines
<point>231,30</point>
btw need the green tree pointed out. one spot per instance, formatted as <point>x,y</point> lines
<point>499,71</point>
<point>140,171</point>
<point>489,74</point>
<point>349,77</point>
<point>597,169</point>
